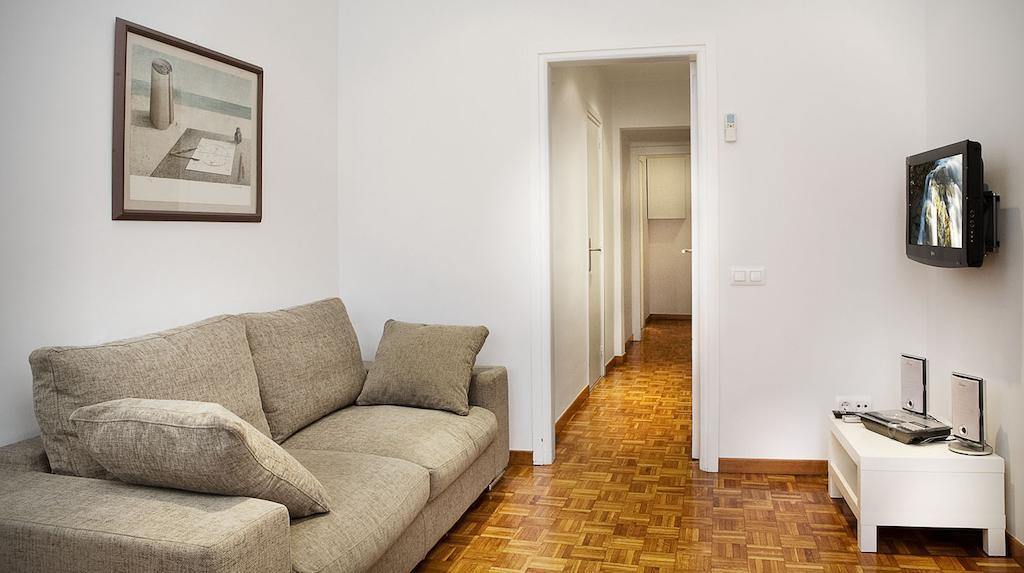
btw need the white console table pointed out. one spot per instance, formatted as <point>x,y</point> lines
<point>892,484</point>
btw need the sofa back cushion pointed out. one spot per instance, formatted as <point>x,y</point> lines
<point>307,361</point>
<point>208,361</point>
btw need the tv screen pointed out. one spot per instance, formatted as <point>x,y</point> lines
<point>948,219</point>
<point>936,202</point>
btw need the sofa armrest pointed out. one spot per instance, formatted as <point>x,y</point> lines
<point>26,456</point>
<point>62,523</point>
<point>488,388</point>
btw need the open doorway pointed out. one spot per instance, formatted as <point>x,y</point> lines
<point>623,190</point>
<point>657,226</point>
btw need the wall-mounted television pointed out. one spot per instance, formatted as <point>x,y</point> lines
<point>950,212</point>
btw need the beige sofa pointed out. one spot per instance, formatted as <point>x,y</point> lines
<point>398,478</point>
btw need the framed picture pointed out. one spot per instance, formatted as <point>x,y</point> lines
<point>188,131</point>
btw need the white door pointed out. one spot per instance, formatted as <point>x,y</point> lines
<point>595,274</point>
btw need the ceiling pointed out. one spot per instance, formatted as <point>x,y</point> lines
<point>646,70</point>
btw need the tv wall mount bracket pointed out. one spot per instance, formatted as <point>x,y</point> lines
<point>991,220</point>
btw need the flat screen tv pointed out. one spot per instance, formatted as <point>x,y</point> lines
<point>950,217</point>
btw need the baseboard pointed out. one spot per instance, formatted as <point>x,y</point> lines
<point>525,458</point>
<point>772,466</point>
<point>1015,549</point>
<point>571,410</point>
<point>615,361</point>
<point>520,458</point>
<point>653,316</point>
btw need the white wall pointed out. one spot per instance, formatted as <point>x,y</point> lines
<point>452,90</point>
<point>839,304</point>
<point>70,275</point>
<point>974,315</point>
<point>574,90</point>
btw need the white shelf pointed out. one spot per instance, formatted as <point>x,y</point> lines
<point>888,483</point>
<point>848,492</point>
<point>877,452</point>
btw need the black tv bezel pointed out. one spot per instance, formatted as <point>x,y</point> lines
<point>972,253</point>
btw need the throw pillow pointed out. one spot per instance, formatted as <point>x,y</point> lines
<point>195,446</point>
<point>425,366</point>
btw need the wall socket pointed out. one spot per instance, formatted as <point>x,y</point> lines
<point>859,403</point>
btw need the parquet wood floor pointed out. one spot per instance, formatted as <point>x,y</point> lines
<point>624,495</point>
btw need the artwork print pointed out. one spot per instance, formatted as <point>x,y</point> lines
<point>189,123</point>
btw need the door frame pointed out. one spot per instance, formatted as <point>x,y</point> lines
<point>705,209</point>
<point>595,119</point>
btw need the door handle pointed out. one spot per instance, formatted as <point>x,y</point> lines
<point>590,263</point>
<point>687,251</point>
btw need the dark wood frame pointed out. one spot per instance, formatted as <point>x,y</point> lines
<point>119,213</point>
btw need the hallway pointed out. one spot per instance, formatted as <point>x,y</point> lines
<point>624,495</point>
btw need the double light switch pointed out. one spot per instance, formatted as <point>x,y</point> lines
<point>747,276</point>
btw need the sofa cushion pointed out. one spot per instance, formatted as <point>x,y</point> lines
<point>443,443</point>
<point>423,365</point>
<point>195,446</point>
<point>373,501</point>
<point>207,361</point>
<point>26,456</point>
<point>55,523</point>
<point>307,361</point>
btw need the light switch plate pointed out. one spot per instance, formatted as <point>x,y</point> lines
<point>748,276</point>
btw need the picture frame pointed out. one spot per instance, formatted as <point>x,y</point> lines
<point>188,131</point>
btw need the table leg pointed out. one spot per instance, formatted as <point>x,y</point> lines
<point>833,491</point>
<point>867,537</point>
<point>993,542</point>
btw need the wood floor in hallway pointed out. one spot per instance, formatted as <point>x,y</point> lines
<point>624,495</point>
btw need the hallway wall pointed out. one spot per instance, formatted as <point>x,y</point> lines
<point>574,89</point>
<point>639,103</point>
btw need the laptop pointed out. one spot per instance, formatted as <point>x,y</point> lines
<point>911,424</point>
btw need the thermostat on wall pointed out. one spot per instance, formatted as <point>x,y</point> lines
<point>730,127</point>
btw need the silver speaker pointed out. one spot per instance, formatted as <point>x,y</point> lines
<point>914,384</point>
<point>968,402</point>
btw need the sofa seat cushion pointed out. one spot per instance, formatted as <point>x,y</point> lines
<point>442,442</point>
<point>373,500</point>
<point>208,361</point>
